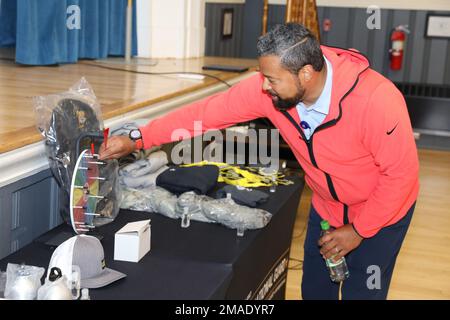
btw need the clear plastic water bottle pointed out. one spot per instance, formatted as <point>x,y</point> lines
<point>338,269</point>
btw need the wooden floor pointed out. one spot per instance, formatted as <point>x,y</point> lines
<point>117,91</point>
<point>422,270</point>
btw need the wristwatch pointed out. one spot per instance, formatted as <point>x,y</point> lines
<point>136,136</point>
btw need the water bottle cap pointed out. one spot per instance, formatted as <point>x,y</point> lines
<point>325,225</point>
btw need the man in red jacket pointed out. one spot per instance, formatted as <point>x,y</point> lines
<point>348,127</point>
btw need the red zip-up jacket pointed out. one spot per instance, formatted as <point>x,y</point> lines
<point>361,162</point>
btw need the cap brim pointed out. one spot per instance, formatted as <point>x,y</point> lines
<point>106,277</point>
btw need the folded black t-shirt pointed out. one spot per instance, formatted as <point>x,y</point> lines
<point>182,179</point>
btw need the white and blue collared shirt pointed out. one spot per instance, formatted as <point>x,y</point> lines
<point>311,117</point>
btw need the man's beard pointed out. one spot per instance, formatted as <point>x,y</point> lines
<point>286,104</point>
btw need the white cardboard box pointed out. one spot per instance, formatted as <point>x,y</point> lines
<point>132,242</point>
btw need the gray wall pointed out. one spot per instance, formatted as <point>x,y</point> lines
<point>247,27</point>
<point>28,208</point>
<point>215,45</point>
<point>427,61</point>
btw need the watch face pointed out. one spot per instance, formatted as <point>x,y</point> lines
<point>135,134</point>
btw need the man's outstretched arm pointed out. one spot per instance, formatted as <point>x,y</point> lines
<point>241,103</point>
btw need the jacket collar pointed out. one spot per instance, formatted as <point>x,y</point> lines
<point>347,65</point>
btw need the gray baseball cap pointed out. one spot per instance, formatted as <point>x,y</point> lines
<point>87,253</point>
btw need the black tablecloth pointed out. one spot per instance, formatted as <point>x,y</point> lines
<point>204,261</point>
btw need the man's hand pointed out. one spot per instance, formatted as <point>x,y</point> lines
<point>339,242</point>
<point>118,146</point>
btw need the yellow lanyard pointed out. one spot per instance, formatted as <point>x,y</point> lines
<point>248,177</point>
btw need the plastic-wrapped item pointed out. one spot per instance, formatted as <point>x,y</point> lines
<point>22,282</point>
<point>71,122</point>
<point>194,205</point>
<point>163,202</point>
<point>61,118</point>
<point>2,284</point>
<point>138,200</point>
<point>55,287</point>
<point>232,215</point>
<point>152,199</point>
<point>191,206</point>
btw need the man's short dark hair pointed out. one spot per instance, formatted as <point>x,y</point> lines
<point>294,44</point>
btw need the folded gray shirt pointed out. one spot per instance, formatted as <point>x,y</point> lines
<point>143,167</point>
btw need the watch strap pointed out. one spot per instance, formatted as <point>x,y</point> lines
<point>139,144</point>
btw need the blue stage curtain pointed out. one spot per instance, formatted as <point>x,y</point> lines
<point>43,38</point>
<point>8,9</point>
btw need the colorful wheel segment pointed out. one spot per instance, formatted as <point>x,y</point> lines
<point>84,193</point>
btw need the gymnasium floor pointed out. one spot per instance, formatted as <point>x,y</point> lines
<point>421,271</point>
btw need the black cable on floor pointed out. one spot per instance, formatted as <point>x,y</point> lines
<point>296,267</point>
<point>144,72</point>
<point>158,73</point>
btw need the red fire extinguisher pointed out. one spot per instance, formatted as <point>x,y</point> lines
<point>398,38</point>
